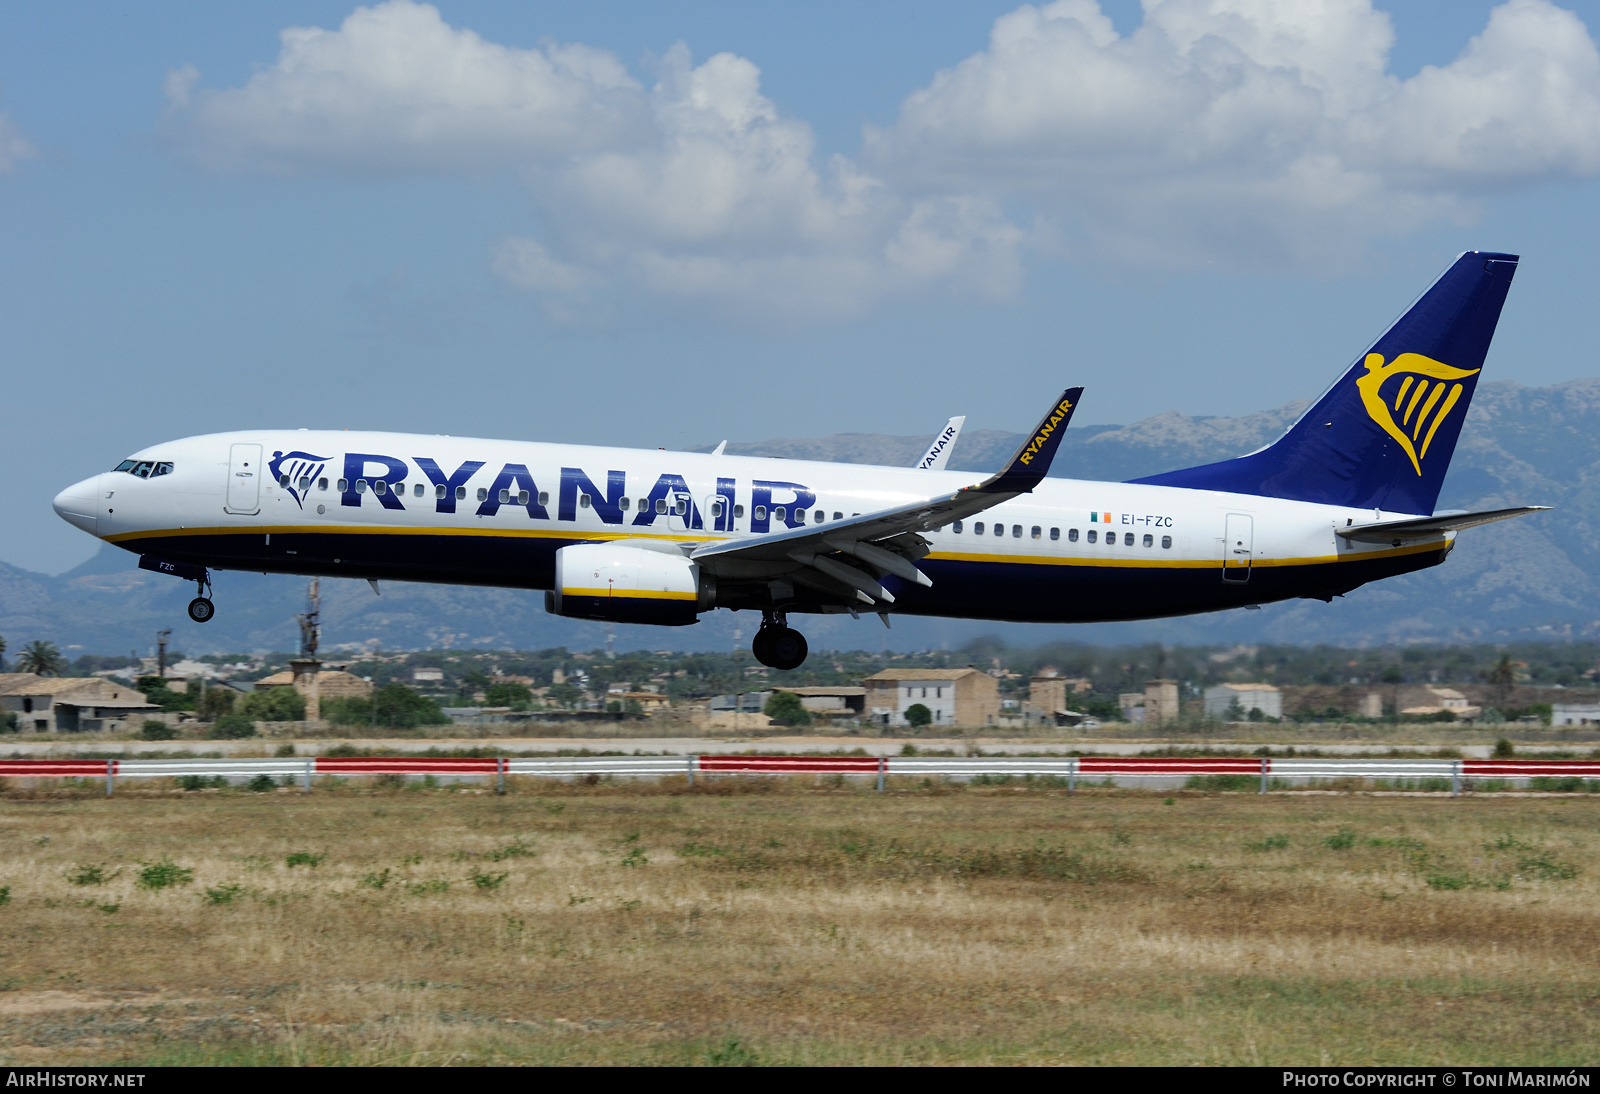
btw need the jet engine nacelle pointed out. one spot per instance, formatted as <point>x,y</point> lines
<point>620,583</point>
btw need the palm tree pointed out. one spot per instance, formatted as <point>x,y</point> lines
<point>41,658</point>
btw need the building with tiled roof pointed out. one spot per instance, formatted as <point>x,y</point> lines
<point>71,704</point>
<point>955,697</point>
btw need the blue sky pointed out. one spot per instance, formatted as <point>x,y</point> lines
<point>666,225</point>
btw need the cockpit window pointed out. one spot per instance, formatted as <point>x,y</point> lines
<point>145,469</point>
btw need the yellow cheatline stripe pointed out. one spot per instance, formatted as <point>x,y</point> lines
<point>371,530</point>
<point>1186,564</point>
<point>629,594</point>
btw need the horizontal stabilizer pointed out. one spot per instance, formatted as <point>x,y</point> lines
<point>1397,531</point>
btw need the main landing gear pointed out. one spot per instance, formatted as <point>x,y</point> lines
<point>776,645</point>
<point>200,608</point>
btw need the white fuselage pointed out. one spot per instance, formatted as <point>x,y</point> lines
<point>414,507</point>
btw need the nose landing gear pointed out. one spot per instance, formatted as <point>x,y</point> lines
<point>778,646</point>
<point>200,608</point>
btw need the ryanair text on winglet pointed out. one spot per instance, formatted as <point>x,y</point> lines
<point>1044,432</point>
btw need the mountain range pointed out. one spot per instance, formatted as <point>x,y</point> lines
<point>1534,577</point>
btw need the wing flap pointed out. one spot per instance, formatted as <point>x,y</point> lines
<point>888,541</point>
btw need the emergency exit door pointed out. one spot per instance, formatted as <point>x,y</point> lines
<point>244,479</point>
<point>1238,547</point>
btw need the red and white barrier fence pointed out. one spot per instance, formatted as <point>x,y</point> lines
<point>1070,768</point>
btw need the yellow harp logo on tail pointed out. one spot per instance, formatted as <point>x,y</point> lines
<point>1423,398</point>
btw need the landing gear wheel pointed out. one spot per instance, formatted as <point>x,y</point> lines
<point>786,649</point>
<point>759,646</point>
<point>201,610</point>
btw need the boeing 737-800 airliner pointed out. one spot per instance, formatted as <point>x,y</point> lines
<point>1345,497</point>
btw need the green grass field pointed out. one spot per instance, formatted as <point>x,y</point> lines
<point>792,921</point>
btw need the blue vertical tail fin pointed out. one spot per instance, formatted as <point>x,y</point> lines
<point>1383,434</point>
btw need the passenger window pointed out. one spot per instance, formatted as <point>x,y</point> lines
<point>1166,543</point>
<point>583,501</point>
<point>838,516</point>
<point>344,485</point>
<point>483,494</point>
<point>799,516</point>
<point>681,507</point>
<point>1111,539</point>
<point>661,505</point>
<point>1055,533</point>
<point>461,493</point>
<point>623,504</point>
<point>504,496</point>
<point>977,527</point>
<point>738,511</point>
<point>1037,531</point>
<point>380,486</point>
<point>438,490</point>
<point>1127,539</point>
<point>361,486</point>
<point>956,527</point>
<point>283,480</point>
<point>322,484</point>
<point>544,497</point>
<point>522,497</point>
<point>761,512</point>
<point>1149,540</point>
<point>304,484</point>
<point>416,491</point>
<point>780,513</point>
<point>1016,531</point>
<point>1093,535</point>
<point>818,517</point>
<point>644,505</point>
<point>1072,535</point>
<point>999,529</point>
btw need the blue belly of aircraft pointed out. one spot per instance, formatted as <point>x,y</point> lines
<point>1022,592</point>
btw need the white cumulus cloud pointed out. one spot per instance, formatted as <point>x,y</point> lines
<point>1246,131</point>
<point>1253,133</point>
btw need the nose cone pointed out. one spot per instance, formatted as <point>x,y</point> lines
<point>79,505</point>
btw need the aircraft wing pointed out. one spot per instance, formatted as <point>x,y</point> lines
<point>849,557</point>
<point>938,452</point>
<point>1397,531</point>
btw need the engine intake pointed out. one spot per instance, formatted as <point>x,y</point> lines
<point>619,583</point>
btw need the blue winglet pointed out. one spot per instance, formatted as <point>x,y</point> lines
<point>1030,463</point>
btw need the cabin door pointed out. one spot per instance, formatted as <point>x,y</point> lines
<point>1238,547</point>
<point>244,479</point>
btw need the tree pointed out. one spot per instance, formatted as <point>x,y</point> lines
<point>2,652</point>
<point>156,691</point>
<point>918,716</point>
<point>41,658</point>
<point>274,704</point>
<point>786,709</point>
<point>397,707</point>
<point>232,727</point>
<point>216,702</point>
<point>506,695</point>
<point>153,730</point>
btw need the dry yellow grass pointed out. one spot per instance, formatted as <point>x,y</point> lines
<point>791,922</point>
